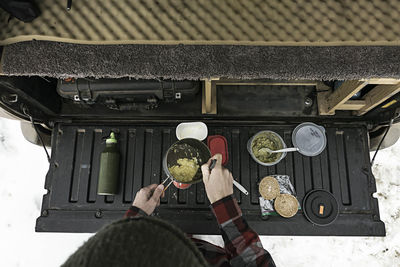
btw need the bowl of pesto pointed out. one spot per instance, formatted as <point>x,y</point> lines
<point>266,139</point>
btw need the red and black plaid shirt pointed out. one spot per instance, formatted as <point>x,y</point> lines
<point>242,245</point>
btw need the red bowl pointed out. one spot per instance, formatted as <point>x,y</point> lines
<point>181,185</point>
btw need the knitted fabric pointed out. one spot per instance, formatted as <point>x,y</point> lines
<point>138,241</point>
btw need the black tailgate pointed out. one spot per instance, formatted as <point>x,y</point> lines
<point>72,204</point>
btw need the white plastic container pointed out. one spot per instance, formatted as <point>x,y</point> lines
<point>196,130</point>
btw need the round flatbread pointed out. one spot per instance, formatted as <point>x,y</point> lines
<point>269,188</point>
<point>286,205</point>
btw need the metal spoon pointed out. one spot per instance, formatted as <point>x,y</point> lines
<point>238,186</point>
<point>289,149</point>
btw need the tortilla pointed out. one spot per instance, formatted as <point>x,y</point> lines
<point>269,188</point>
<point>286,205</point>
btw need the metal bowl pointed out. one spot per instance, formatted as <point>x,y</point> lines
<point>184,148</point>
<point>250,145</point>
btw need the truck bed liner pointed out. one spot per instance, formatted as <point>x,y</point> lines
<point>72,205</point>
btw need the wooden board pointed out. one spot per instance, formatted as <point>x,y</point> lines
<point>209,99</point>
<point>377,96</point>
<point>341,95</point>
<point>352,105</point>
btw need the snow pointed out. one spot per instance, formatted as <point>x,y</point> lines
<point>23,167</point>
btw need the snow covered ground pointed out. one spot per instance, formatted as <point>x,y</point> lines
<point>23,167</point>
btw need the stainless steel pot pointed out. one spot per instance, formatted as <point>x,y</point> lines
<point>186,148</point>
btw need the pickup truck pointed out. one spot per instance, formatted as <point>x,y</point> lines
<point>70,94</point>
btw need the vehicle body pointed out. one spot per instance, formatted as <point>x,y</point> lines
<point>76,92</point>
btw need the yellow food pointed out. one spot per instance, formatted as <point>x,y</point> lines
<point>186,169</point>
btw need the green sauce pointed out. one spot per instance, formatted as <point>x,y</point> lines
<point>268,140</point>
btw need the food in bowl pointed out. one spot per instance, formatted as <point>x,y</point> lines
<point>266,140</point>
<point>185,170</point>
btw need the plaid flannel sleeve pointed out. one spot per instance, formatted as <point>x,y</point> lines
<point>242,244</point>
<point>134,211</point>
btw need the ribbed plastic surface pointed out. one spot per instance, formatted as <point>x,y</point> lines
<point>72,204</point>
<point>273,22</point>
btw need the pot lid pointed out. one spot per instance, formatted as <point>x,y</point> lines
<point>320,207</point>
<point>218,144</point>
<point>309,138</point>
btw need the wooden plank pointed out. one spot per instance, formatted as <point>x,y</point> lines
<point>378,95</point>
<point>209,99</point>
<point>382,81</point>
<point>352,105</point>
<point>343,93</point>
<point>322,92</point>
<point>255,83</point>
<point>267,82</point>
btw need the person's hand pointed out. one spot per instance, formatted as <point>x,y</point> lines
<point>148,198</point>
<point>218,183</point>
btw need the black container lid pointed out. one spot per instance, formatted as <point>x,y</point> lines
<point>320,207</point>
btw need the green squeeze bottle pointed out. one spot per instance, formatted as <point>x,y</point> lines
<point>109,168</point>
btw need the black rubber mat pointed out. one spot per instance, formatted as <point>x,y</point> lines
<point>72,204</point>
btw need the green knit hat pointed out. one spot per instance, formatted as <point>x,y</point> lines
<point>139,241</point>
